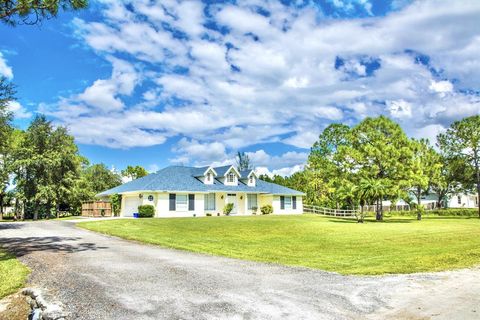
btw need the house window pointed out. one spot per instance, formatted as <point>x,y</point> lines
<point>250,180</point>
<point>459,199</point>
<point>288,203</point>
<point>182,202</point>
<point>231,177</point>
<point>252,201</point>
<point>209,177</point>
<point>210,201</point>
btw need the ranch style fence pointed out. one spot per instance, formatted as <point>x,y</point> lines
<point>367,208</point>
<point>329,211</point>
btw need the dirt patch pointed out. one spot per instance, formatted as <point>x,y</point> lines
<point>444,295</point>
<point>14,307</point>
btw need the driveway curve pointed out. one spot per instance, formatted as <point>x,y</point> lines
<point>101,277</point>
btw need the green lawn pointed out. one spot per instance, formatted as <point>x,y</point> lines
<point>13,274</point>
<point>398,245</point>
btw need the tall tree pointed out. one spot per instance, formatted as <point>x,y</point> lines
<point>462,139</point>
<point>7,94</point>
<point>380,150</point>
<point>243,161</point>
<point>47,165</point>
<point>32,12</point>
<point>326,163</point>
<point>133,173</point>
<point>425,170</point>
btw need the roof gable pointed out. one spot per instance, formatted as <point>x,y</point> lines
<point>223,171</point>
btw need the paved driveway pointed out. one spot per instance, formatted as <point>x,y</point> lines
<point>101,277</point>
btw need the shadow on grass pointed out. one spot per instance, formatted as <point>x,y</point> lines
<point>23,246</point>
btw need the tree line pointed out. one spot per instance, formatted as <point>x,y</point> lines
<point>349,167</point>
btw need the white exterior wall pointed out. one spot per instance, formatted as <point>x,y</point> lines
<point>278,210</point>
<point>466,201</point>
<point>163,206</point>
<point>130,203</point>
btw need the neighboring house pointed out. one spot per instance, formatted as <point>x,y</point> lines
<point>179,191</point>
<point>463,201</point>
<point>460,200</point>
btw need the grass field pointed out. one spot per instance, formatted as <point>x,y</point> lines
<point>398,245</point>
<point>13,274</point>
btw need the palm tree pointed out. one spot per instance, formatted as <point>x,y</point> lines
<point>373,190</point>
<point>348,193</point>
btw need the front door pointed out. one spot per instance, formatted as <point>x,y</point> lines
<point>232,198</point>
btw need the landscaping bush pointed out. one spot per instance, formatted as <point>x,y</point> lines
<point>266,209</point>
<point>465,212</point>
<point>146,211</point>
<point>228,209</point>
<point>208,214</point>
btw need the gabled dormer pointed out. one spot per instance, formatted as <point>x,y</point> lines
<point>206,175</point>
<point>228,175</point>
<point>249,177</point>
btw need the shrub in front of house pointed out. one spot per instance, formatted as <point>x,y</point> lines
<point>266,209</point>
<point>228,209</point>
<point>146,211</point>
<point>208,214</point>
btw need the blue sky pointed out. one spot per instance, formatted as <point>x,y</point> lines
<point>190,82</point>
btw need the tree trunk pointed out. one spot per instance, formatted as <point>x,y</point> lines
<point>419,203</point>
<point>35,211</point>
<point>1,206</point>
<point>378,213</point>
<point>477,174</point>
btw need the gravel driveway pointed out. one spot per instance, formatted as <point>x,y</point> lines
<point>101,277</point>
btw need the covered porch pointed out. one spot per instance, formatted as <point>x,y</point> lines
<point>243,203</point>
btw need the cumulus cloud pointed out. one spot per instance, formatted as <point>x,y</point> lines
<point>19,111</point>
<point>231,76</point>
<point>5,70</point>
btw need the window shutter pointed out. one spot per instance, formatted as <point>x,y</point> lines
<point>294,202</point>
<point>191,202</point>
<point>282,202</point>
<point>172,198</point>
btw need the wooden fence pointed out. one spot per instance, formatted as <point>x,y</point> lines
<point>96,209</point>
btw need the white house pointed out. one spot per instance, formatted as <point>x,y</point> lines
<point>462,200</point>
<point>179,191</point>
<point>459,200</point>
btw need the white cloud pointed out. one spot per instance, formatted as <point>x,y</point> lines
<point>283,172</point>
<point>104,95</point>
<point>271,78</point>
<point>5,70</point>
<point>400,109</point>
<point>19,111</point>
<point>441,87</point>
<point>192,151</point>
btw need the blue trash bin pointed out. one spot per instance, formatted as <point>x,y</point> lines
<point>136,215</point>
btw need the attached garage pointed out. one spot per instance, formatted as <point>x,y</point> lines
<point>130,205</point>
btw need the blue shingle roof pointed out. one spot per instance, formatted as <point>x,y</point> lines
<point>222,170</point>
<point>177,178</point>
